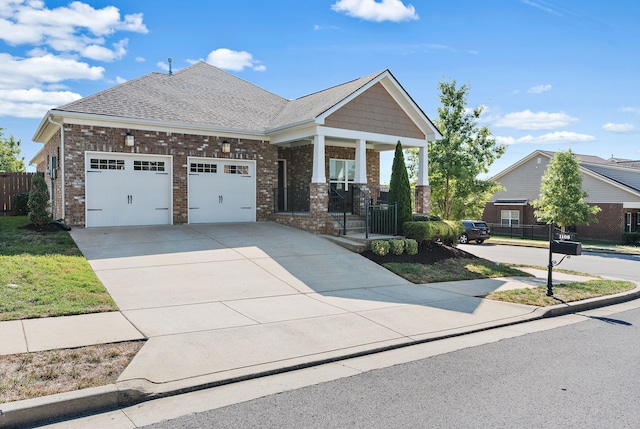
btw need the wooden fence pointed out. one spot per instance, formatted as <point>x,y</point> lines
<point>11,184</point>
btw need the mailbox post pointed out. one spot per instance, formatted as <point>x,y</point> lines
<point>562,246</point>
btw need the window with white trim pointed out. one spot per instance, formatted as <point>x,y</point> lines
<point>236,169</point>
<point>106,164</point>
<point>509,217</point>
<point>202,167</point>
<point>627,222</point>
<point>342,172</point>
<point>148,165</point>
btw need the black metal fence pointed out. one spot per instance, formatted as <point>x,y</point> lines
<point>519,231</point>
<point>382,219</point>
<point>291,200</point>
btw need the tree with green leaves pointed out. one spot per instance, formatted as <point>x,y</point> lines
<point>9,153</point>
<point>399,188</point>
<point>38,203</point>
<point>562,199</point>
<point>456,162</point>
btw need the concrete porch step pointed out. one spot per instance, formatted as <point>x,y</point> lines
<point>355,245</point>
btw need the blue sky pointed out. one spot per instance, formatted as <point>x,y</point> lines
<point>552,75</point>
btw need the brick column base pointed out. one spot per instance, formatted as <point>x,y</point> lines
<point>318,207</point>
<point>423,199</point>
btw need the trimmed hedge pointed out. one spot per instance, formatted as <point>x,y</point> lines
<point>380,247</point>
<point>396,246</point>
<point>632,238</point>
<point>447,231</point>
<point>411,246</point>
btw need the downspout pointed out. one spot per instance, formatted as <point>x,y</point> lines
<point>61,162</point>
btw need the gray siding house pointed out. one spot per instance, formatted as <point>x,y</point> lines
<point>202,145</point>
<point>612,184</point>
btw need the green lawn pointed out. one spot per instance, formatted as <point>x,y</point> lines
<point>44,274</point>
<point>568,292</point>
<point>454,269</point>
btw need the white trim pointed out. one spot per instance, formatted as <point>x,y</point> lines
<point>423,167</point>
<point>407,142</point>
<point>318,174</point>
<point>361,162</point>
<point>631,205</point>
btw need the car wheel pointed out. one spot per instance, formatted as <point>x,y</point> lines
<point>464,239</point>
<point>479,241</point>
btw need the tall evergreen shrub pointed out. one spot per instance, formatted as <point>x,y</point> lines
<point>39,201</point>
<point>399,188</point>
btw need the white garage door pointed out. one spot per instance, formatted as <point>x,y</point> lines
<point>124,189</point>
<point>221,190</point>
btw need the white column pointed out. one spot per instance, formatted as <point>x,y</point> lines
<point>361,162</point>
<point>318,174</point>
<point>423,167</point>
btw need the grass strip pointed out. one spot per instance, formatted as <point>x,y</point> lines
<point>562,293</point>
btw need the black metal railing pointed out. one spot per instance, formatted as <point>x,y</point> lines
<point>291,200</point>
<point>381,219</point>
<point>338,208</point>
<point>519,231</point>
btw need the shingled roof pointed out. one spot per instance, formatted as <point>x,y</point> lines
<point>205,95</point>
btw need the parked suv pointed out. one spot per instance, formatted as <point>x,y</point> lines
<point>475,230</point>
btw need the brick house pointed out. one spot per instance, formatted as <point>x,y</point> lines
<point>202,145</point>
<point>612,184</point>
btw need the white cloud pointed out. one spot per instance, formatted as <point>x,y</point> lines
<point>555,137</point>
<point>233,60</point>
<point>539,89</point>
<point>619,128</point>
<point>630,109</point>
<point>163,66</point>
<point>378,11</point>
<point>20,73</point>
<point>140,59</point>
<point>528,120</point>
<point>32,103</point>
<point>77,28</point>
<point>120,80</point>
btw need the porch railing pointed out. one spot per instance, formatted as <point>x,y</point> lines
<point>372,206</point>
<point>291,200</point>
<point>338,208</point>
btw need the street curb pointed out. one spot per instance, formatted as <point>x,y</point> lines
<point>51,408</point>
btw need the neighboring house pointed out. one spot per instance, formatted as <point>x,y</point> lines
<point>202,145</point>
<point>613,185</point>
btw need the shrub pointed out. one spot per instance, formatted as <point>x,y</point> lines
<point>39,201</point>
<point>442,230</point>
<point>425,217</point>
<point>411,246</point>
<point>19,203</point>
<point>396,246</point>
<point>380,247</point>
<point>632,238</point>
<point>399,187</point>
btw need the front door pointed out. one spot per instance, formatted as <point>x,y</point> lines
<point>342,172</point>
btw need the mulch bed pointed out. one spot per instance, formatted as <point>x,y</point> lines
<point>428,253</point>
<point>46,227</point>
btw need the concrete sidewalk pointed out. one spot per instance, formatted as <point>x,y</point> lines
<point>223,303</point>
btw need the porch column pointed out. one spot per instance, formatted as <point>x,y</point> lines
<point>361,162</point>
<point>318,170</point>
<point>423,190</point>
<point>423,167</point>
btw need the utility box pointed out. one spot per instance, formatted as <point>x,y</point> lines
<point>566,247</point>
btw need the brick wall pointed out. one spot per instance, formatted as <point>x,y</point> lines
<point>609,227</point>
<point>80,138</point>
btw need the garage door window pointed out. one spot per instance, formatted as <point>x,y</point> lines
<point>236,169</point>
<point>148,165</point>
<point>107,164</point>
<point>203,168</point>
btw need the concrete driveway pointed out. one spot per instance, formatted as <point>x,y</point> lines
<point>222,301</point>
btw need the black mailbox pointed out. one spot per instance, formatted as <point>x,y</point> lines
<point>566,247</point>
